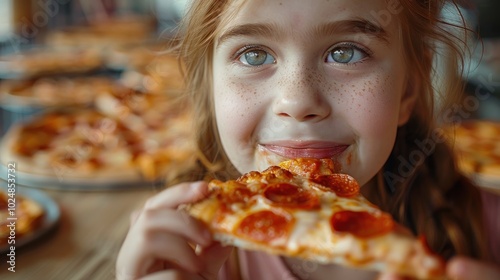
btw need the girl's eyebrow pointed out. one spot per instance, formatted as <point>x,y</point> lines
<point>251,29</point>
<point>351,26</point>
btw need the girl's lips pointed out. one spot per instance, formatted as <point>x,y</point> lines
<point>305,150</point>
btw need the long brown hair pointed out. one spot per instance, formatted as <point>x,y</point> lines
<point>431,198</point>
<point>420,184</point>
<point>196,51</point>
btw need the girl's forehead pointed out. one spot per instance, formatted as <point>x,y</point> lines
<point>297,15</point>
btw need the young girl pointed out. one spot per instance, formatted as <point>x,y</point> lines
<point>349,80</point>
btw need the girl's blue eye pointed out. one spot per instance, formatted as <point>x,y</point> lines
<point>346,55</point>
<point>256,58</point>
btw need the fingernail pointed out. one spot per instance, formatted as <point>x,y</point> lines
<point>198,249</point>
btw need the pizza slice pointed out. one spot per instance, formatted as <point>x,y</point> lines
<point>303,208</point>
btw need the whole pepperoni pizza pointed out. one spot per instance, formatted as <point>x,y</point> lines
<point>98,148</point>
<point>303,208</point>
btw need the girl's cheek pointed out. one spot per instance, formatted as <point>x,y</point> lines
<point>235,106</point>
<point>371,105</point>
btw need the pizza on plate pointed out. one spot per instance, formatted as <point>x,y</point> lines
<point>163,123</point>
<point>303,208</point>
<point>477,146</point>
<point>72,144</point>
<point>91,146</point>
<point>28,213</point>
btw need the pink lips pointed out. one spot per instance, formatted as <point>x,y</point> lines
<point>306,149</point>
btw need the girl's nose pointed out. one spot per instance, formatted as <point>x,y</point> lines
<point>301,98</point>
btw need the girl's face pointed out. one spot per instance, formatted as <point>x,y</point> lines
<point>321,79</point>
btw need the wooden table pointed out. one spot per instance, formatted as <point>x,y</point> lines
<point>86,241</point>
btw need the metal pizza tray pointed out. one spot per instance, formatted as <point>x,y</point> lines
<point>68,183</point>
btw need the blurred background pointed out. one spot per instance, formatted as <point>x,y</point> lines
<point>26,22</point>
<point>109,25</point>
<point>484,79</point>
<point>104,58</point>
<point>64,60</point>
<point>59,42</point>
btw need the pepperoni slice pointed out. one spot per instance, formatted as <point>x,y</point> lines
<point>361,224</point>
<point>342,184</point>
<point>291,196</point>
<point>265,226</point>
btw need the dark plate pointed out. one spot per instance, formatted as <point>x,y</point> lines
<point>50,219</point>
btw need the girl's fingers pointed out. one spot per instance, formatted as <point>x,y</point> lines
<point>166,275</point>
<point>178,195</point>
<point>214,257</point>
<point>162,235</point>
<point>462,268</point>
<point>173,197</point>
<point>171,275</point>
<point>145,251</point>
<point>174,251</point>
<point>179,223</point>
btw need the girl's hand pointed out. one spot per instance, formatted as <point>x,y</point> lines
<point>460,268</point>
<point>159,244</point>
